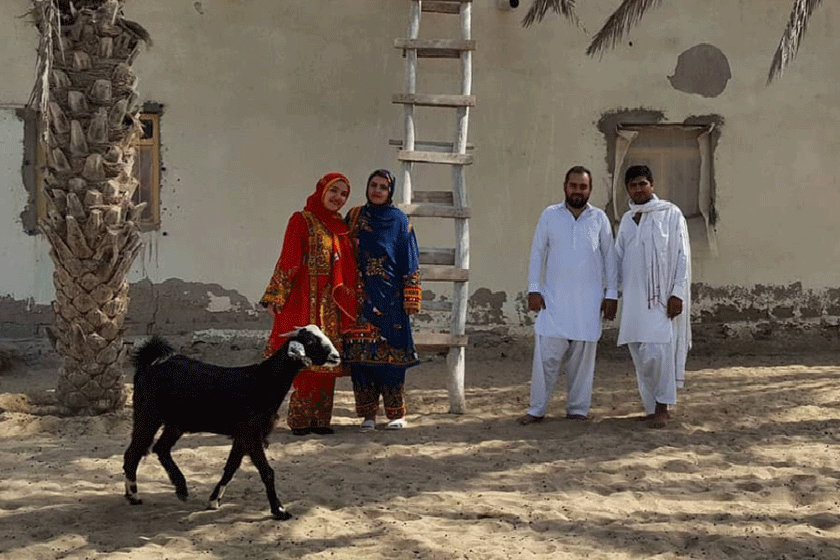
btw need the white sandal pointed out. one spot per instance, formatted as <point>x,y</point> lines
<point>367,426</point>
<point>397,424</point>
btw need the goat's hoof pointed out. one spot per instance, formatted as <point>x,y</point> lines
<point>182,496</point>
<point>282,515</point>
<point>213,504</point>
<point>134,501</point>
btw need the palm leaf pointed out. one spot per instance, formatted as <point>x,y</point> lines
<point>792,37</point>
<point>46,16</point>
<point>539,8</point>
<point>628,14</point>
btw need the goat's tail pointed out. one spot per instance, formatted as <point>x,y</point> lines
<point>154,350</point>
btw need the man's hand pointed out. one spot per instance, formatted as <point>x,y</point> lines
<point>674,306</point>
<point>609,307</point>
<point>535,302</point>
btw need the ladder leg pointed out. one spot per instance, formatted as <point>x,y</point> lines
<point>455,365</point>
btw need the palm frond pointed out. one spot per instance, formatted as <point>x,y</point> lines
<point>628,14</point>
<point>792,37</point>
<point>135,29</point>
<point>47,17</point>
<point>539,8</point>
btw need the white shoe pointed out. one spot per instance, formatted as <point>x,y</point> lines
<point>367,426</point>
<point>397,424</point>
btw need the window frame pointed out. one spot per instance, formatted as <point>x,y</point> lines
<point>626,133</point>
<point>154,189</point>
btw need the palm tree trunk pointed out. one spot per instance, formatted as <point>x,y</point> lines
<point>87,100</point>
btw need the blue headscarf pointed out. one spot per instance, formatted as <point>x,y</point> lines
<point>387,254</point>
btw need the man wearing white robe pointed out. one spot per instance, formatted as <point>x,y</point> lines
<point>654,258</point>
<point>572,280</point>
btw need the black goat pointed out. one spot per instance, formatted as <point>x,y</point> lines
<point>185,395</point>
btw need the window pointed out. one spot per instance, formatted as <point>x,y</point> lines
<point>34,164</point>
<point>680,157</point>
<point>147,170</point>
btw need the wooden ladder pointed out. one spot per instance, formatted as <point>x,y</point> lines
<point>441,264</point>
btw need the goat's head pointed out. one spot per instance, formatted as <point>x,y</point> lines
<point>311,346</point>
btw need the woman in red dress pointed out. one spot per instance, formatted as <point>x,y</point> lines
<point>314,282</point>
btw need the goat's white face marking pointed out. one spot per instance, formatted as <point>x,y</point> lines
<point>297,351</point>
<point>334,359</point>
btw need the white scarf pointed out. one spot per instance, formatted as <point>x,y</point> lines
<point>653,234</point>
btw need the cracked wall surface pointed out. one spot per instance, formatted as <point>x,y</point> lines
<point>724,318</point>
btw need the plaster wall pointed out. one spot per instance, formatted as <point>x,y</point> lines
<point>261,98</point>
<point>23,256</point>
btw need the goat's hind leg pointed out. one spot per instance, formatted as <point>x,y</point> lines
<point>162,448</point>
<point>141,439</point>
<point>237,451</point>
<point>257,454</point>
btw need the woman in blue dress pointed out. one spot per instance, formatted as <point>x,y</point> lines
<point>380,347</point>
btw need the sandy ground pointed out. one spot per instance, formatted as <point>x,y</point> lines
<point>748,469</point>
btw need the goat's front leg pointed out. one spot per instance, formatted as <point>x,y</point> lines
<point>237,451</point>
<point>141,439</point>
<point>162,448</point>
<point>257,454</point>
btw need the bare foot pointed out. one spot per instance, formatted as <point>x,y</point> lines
<point>660,416</point>
<point>659,421</point>
<point>528,419</point>
<point>651,416</point>
<point>577,417</point>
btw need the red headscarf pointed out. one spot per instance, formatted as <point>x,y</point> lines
<point>315,204</point>
<point>344,265</point>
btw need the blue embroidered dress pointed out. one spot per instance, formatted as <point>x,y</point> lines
<point>389,281</point>
<point>380,346</point>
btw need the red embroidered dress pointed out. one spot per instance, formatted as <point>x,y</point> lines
<point>313,282</point>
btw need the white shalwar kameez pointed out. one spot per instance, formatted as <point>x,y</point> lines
<point>654,259</point>
<point>573,267</point>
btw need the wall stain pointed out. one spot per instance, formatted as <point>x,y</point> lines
<point>178,307</point>
<point>702,69</point>
<point>485,308</point>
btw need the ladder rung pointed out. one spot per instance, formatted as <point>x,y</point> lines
<point>443,6</point>
<point>435,157</point>
<point>430,145</point>
<point>437,306</point>
<point>436,48</point>
<point>434,255</point>
<point>438,340</point>
<point>435,44</point>
<point>443,274</point>
<point>446,198</point>
<point>435,210</point>
<point>434,99</point>
<point>433,197</point>
<point>437,53</point>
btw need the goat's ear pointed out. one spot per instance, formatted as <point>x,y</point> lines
<point>289,334</point>
<point>297,351</point>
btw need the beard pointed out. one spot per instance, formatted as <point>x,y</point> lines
<point>577,202</point>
